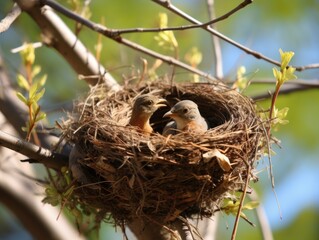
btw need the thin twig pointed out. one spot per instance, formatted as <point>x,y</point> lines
<point>180,28</point>
<point>167,4</point>
<point>299,82</point>
<point>284,90</point>
<point>116,37</point>
<point>215,42</point>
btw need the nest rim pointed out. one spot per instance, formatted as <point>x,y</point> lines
<point>147,160</point>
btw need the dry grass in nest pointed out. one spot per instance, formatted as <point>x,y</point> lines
<point>131,175</point>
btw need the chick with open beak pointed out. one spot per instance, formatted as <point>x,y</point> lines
<point>144,107</point>
<point>186,117</point>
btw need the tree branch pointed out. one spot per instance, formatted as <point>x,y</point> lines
<point>114,35</point>
<point>22,196</point>
<point>10,18</point>
<point>167,4</point>
<point>36,153</point>
<point>23,208</point>
<point>118,32</point>
<point>217,52</point>
<point>57,35</point>
<point>300,82</point>
<point>286,89</point>
<point>16,113</point>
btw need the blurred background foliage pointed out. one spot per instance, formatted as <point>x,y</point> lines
<point>264,26</point>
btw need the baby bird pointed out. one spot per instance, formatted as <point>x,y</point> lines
<point>187,118</point>
<point>143,108</point>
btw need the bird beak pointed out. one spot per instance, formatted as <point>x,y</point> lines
<point>169,114</point>
<point>161,103</point>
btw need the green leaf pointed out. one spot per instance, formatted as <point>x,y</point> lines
<point>35,110</point>
<point>194,57</point>
<point>165,38</point>
<point>22,82</point>
<point>241,82</point>
<point>36,70</point>
<point>289,74</point>
<point>22,98</point>
<point>41,116</point>
<point>41,81</point>
<point>277,75</point>
<point>38,95</point>
<point>27,54</point>
<point>33,89</point>
<point>35,106</point>
<point>251,205</point>
<point>285,58</point>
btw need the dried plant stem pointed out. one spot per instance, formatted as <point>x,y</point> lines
<point>234,232</point>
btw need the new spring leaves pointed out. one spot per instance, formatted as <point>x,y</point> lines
<point>32,84</point>
<point>286,72</point>
<point>165,39</point>
<point>282,75</point>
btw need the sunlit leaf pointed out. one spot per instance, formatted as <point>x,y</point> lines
<point>285,58</point>
<point>22,98</point>
<point>277,75</point>
<point>165,38</point>
<point>194,57</point>
<point>42,80</point>
<point>33,89</point>
<point>285,73</point>
<point>22,82</point>
<point>241,82</point>
<point>41,116</point>
<point>36,70</point>
<point>251,205</point>
<point>162,20</point>
<point>36,110</point>
<point>27,54</point>
<point>38,95</point>
<point>289,74</point>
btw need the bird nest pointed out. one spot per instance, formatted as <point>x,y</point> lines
<point>128,174</point>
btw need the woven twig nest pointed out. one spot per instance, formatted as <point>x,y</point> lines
<point>131,175</point>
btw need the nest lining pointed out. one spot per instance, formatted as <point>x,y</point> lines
<point>132,175</point>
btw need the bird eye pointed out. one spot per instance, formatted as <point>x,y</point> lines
<point>185,110</point>
<point>149,102</point>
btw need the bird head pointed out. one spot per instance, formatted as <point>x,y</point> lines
<point>184,112</point>
<point>147,104</point>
